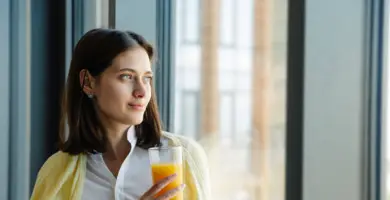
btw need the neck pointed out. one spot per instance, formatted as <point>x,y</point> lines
<point>118,146</point>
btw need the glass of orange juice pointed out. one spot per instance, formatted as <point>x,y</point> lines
<point>164,162</point>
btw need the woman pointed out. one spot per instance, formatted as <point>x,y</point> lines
<point>112,116</point>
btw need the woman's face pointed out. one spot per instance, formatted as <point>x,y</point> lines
<point>123,90</point>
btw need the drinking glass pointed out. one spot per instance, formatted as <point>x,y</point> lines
<point>164,162</point>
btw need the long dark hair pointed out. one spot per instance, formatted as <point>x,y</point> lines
<point>95,52</point>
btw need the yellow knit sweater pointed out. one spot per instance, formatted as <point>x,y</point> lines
<point>62,176</point>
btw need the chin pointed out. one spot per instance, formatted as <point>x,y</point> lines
<point>136,120</point>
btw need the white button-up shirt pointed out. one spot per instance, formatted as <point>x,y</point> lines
<point>133,180</point>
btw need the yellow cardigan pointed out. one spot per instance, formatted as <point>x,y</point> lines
<point>62,176</point>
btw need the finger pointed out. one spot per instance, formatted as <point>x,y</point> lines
<point>171,193</point>
<point>161,184</point>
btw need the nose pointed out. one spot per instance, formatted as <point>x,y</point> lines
<point>139,90</point>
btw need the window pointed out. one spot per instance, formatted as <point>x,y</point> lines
<point>95,14</point>
<point>190,114</point>
<point>228,18</point>
<point>188,22</point>
<point>231,98</point>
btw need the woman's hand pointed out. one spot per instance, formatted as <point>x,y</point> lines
<point>156,188</point>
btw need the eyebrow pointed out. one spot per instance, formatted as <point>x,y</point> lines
<point>134,71</point>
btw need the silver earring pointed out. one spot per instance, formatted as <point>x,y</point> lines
<point>90,96</point>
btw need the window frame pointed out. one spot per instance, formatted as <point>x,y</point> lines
<point>295,100</point>
<point>374,150</point>
<point>165,73</point>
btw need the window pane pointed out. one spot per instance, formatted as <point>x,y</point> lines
<point>188,20</point>
<point>240,93</point>
<point>95,14</point>
<point>227,18</point>
<point>190,114</point>
<point>227,118</point>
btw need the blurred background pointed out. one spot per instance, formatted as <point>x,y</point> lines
<point>288,98</point>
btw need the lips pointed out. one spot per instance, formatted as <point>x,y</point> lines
<point>136,106</point>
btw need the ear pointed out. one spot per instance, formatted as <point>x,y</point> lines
<point>87,82</point>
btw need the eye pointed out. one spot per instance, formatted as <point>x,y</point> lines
<point>126,76</point>
<point>148,79</point>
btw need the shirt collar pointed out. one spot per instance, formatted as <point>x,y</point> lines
<point>131,136</point>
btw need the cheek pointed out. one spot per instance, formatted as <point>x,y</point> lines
<point>113,94</point>
<point>148,93</point>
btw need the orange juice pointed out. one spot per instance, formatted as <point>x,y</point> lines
<point>160,171</point>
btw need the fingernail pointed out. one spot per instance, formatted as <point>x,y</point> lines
<point>173,175</point>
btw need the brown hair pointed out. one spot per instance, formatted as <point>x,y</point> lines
<point>95,52</point>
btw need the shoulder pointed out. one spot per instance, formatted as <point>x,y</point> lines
<point>56,164</point>
<point>54,161</point>
<point>57,169</point>
<point>59,159</point>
